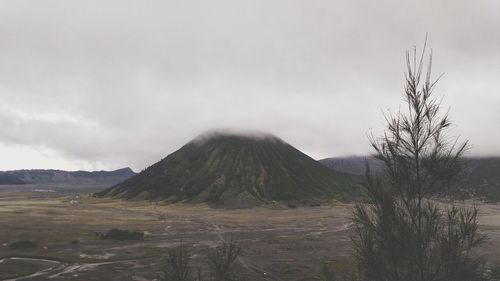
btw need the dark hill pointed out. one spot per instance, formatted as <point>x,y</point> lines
<point>223,168</point>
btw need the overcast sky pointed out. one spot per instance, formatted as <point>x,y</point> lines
<point>108,84</point>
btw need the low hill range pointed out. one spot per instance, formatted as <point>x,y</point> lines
<point>7,179</point>
<point>59,177</point>
<point>481,177</point>
<point>234,169</point>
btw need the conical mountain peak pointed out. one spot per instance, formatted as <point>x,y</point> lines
<point>224,166</point>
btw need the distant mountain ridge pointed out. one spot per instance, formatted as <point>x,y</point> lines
<point>224,167</point>
<point>355,165</point>
<point>60,177</point>
<point>484,177</point>
<point>10,179</point>
<point>481,177</point>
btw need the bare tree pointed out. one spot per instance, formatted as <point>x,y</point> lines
<point>176,265</point>
<point>221,260</point>
<point>327,274</point>
<point>400,233</point>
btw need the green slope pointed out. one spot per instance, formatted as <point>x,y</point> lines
<point>222,167</point>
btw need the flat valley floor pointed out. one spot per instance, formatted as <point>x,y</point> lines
<point>278,244</point>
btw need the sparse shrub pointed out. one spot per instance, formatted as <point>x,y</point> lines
<point>176,265</point>
<point>342,271</point>
<point>326,273</point>
<point>221,260</point>
<point>22,244</point>
<point>122,235</point>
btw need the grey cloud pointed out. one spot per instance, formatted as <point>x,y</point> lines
<point>135,80</point>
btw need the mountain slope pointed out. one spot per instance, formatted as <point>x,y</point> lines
<point>220,167</point>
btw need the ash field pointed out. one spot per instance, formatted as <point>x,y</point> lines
<point>278,244</point>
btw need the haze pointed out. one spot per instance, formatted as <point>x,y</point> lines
<point>108,84</point>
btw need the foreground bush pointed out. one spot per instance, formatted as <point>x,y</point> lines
<point>400,234</point>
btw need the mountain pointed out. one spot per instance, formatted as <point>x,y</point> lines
<point>59,177</point>
<point>227,168</point>
<point>480,180</point>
